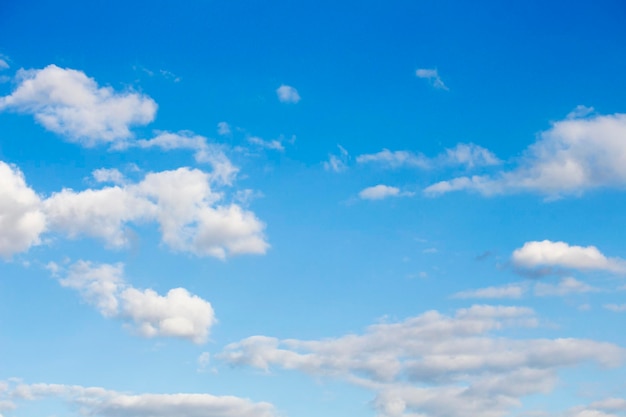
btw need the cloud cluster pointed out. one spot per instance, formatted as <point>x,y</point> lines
<point>176,314</point>
<point>69,103</point>
<point>467,155</point>
<point>575,155</point>
<point>435,365</point>
<point>97,401</point>
<point>548,254</point>
<point>188,212</point>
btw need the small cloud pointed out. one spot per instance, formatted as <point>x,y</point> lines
<point>273,144</point>
<point>433,76</point>
<point>430,250</point>
<point>3,64</point>
<point>566,286</point>
<point>379,192</point>
<point>337,163</point>
<point>223,129</point>
<point>580,111</point>
<point>617,308</point>
<point>287,94</point>
<point>506,291</point>
<point>483,256</point>
<point>170,75</point>
<point>111,175</point>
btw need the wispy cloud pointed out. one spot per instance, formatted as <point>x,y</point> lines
<point>431,75</point>
<point>380,192</point>
<point>337,163</point>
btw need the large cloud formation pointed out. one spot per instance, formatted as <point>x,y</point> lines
<point>576,154</point>
<point>433,364</point>
<point>69,103</point>
<point>190,215</point>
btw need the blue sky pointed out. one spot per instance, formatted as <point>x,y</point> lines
<point>264,209</point>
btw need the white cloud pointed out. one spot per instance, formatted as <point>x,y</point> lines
<point>21,218</point>
<point>188,211</point>
<point>177,314</point>
<point>223,129</point>
<point>112,175</point>
<point>617,308</point>
<point>223,169</point>
<point>106,403</point>
<point>3,64</point>
<point>433,76</point>
<point>468,155</point>
<point>435,365</point>
<point>505,291</point>
<point>287,94</point>
<point>566,286</point>
<point>379,192</point>
<point>67,102</point>
<point>561,255</point>
<point>395,159</point>
<point>273,144</point>
<point>573,156</point>
<point>337,163</point>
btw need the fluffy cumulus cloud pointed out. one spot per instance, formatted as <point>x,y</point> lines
<point>97,401</point>
<point>176,314</point>
<point>547,254</point>
<point>287,94</point>
<point>575,155</point>
<point>191,216</point>
<point>431,75</point>
<point>21,217</point>
<point>69,103</point>
<point>467,155</point>
<point>433,364</point>
<point>379,192</point>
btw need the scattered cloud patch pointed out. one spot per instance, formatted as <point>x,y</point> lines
<point>3,64</point>
<point>432,75</point>
<point>542,254</point>
<point>107,403</point>
<point>337,163</point>
<point>273,144</point>
<point>505,291</point>
<point>177,314</point>
<point>204,152</point>
<point>223,129</point>
<point>433,364</point>
<point>67,102</point>
<point>616,308</point>
<point>467,155</point>
<point>287,94</point>
<point>566,286</point>
<point>575,155</point>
